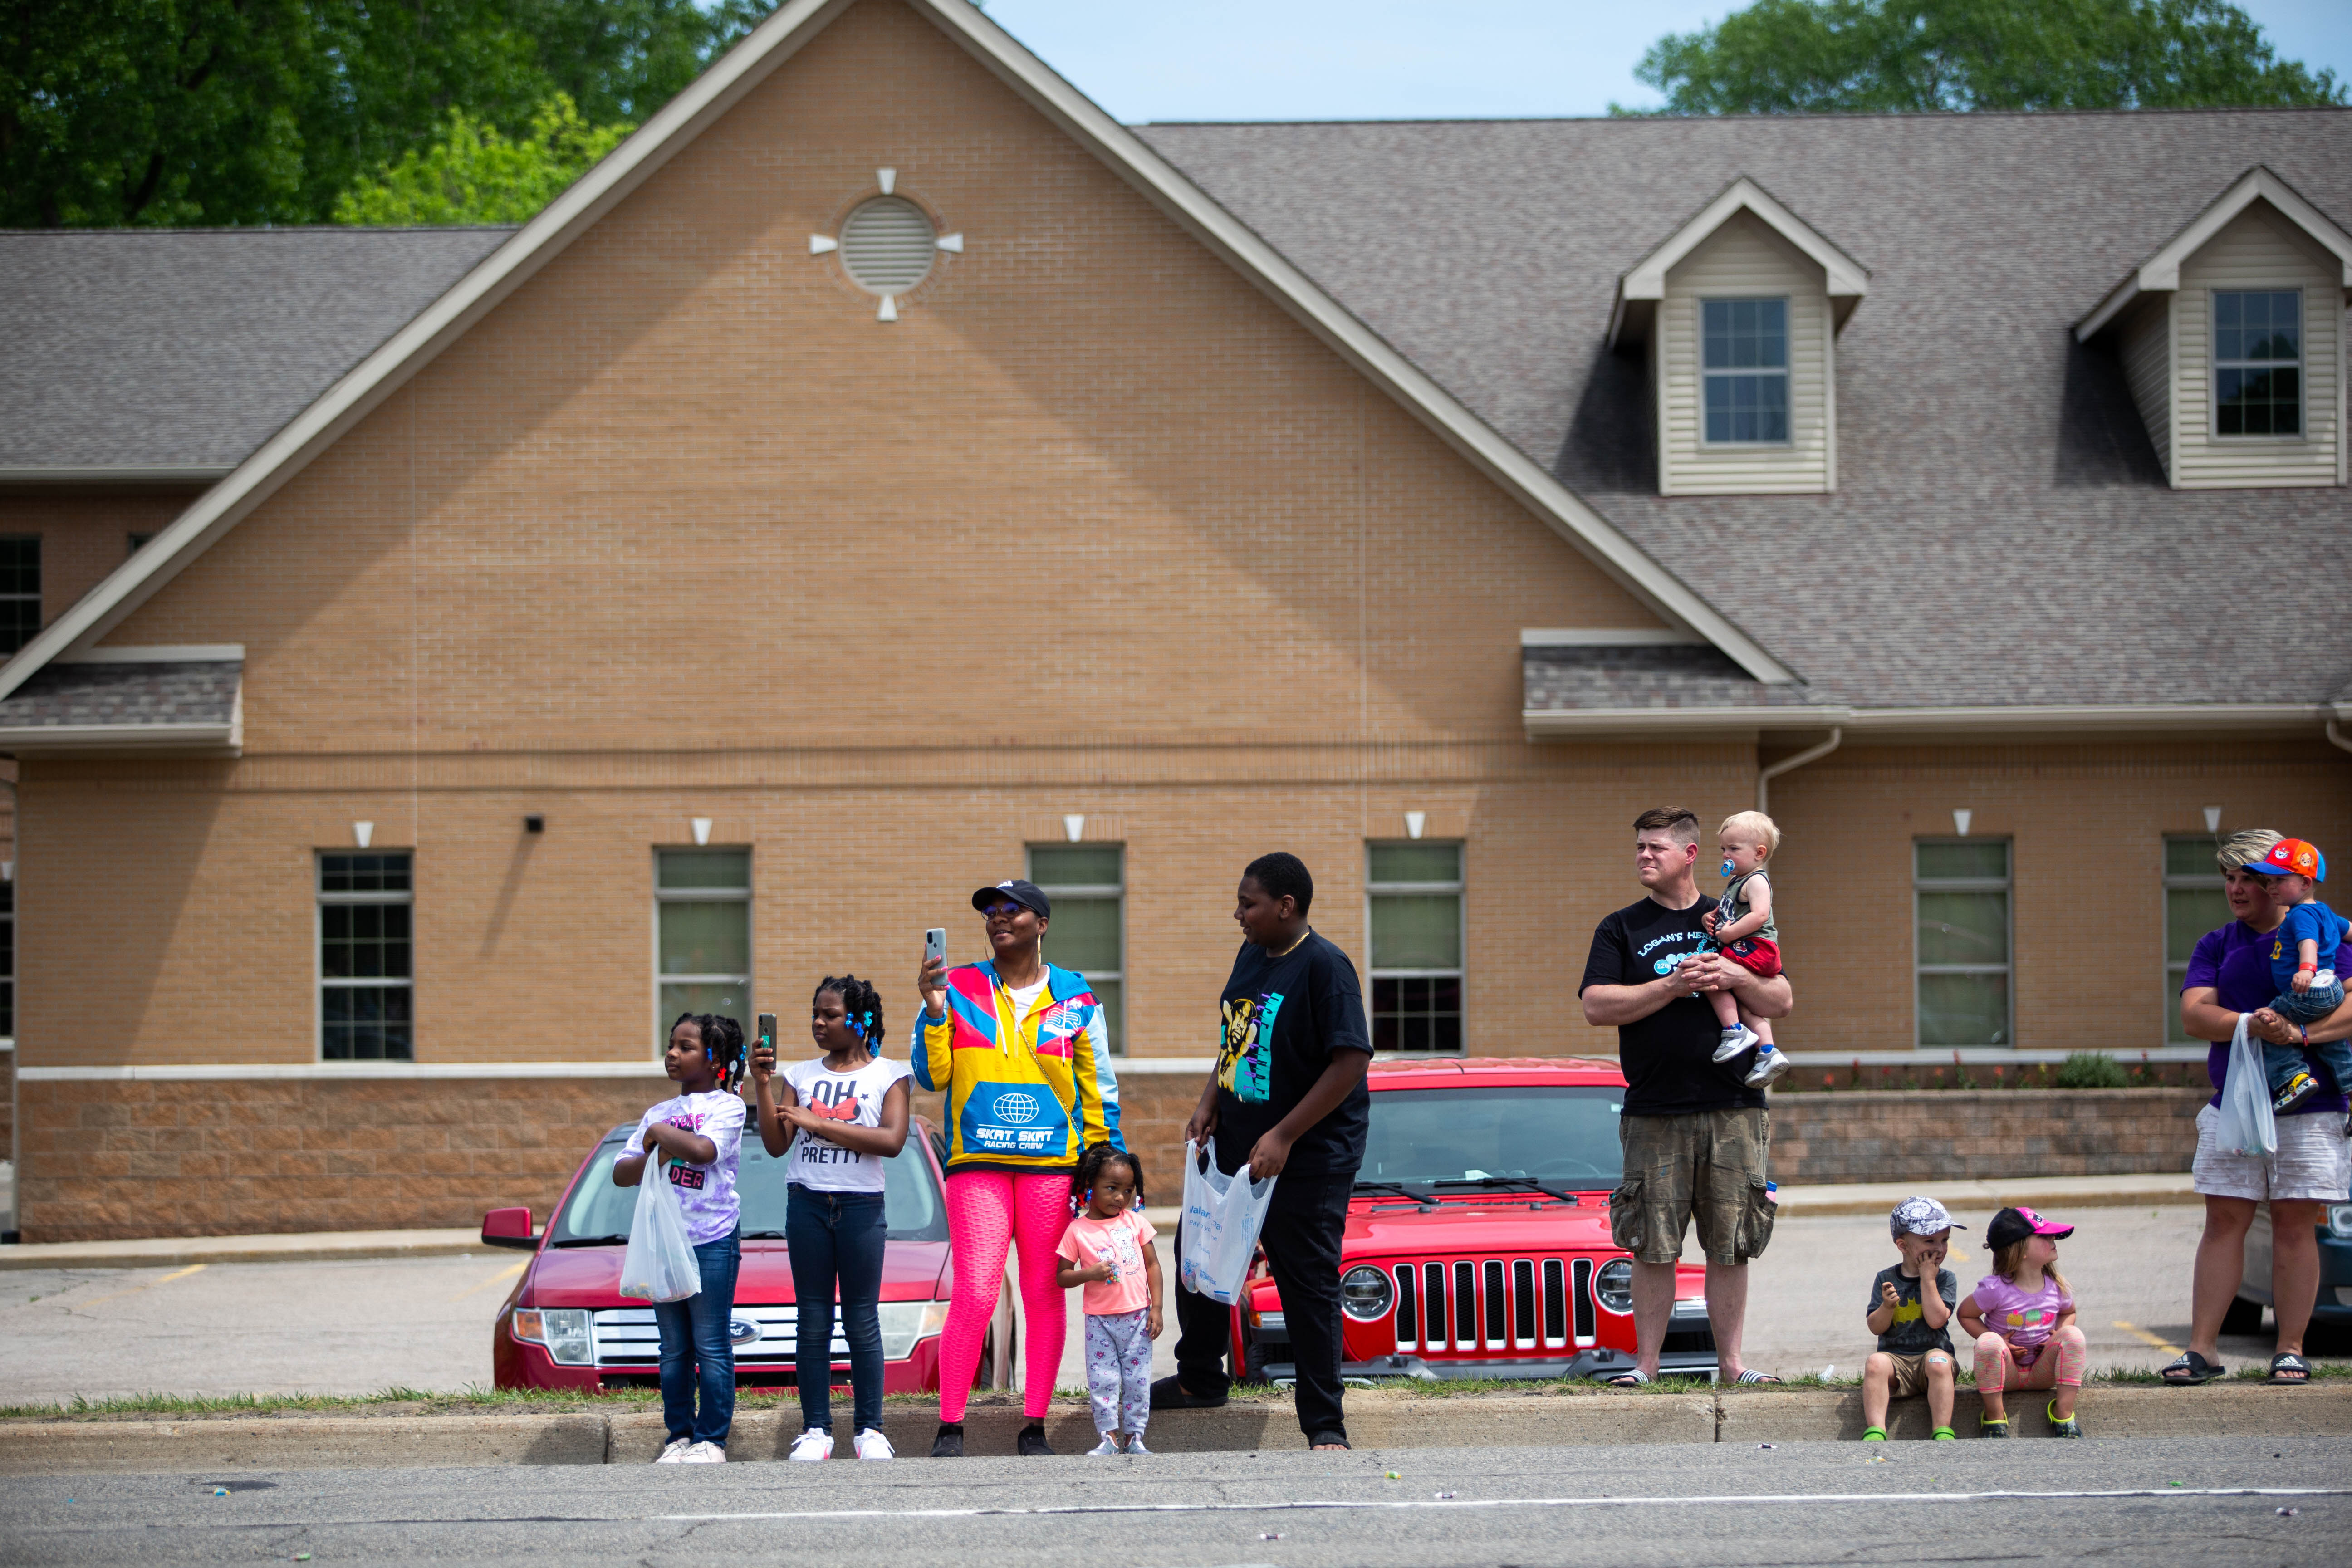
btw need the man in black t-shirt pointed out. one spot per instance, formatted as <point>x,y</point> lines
<point>1287,1099</point>
<point>1696,1138</point>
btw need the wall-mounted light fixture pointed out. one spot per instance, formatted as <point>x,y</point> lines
<point>1415,821</point>
<point>1960,819</point>
<point>362,832</point>
<point>2212,819</point>
<point>1075,826</point>
<point>534,822</point>
<point>701,829</point>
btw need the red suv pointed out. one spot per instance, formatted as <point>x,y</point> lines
<point>567,1325</point>
<point>1477,1244</point>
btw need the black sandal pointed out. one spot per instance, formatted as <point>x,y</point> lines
<point>2287,1361</point>
<point>2193,1370</point>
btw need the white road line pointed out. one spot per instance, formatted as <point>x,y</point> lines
<point>1338,1503</point>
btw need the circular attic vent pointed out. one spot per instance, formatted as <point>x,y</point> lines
<point>888,244</point>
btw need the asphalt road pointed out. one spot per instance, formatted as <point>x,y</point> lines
<point>358,1327</point>
<point>1831,1503</point>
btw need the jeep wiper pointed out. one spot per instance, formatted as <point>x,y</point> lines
<point>763,1236</point>
<point>1521,1183</point>
<point>590,1241</point>
<point>1398,1188</point>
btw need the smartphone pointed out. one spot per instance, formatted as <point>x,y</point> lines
<point>767,1039</point>
<point>935,946</point>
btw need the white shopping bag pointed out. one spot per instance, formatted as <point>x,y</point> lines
<point>659,1264</point>
<point>2247,1126</point>
<point>1223,1215</point>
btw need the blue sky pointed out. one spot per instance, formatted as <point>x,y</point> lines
<point>1370,60</point>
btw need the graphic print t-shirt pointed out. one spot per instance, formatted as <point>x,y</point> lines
<point>1119,1243</point>
<point>2025,1319</point>
<point>854,1099</point>
<point>1279,1022</point>
<point>706,1193</point>
<point>2304,922</point>
<point>1909,1334</point>
<point>1669,1056</point>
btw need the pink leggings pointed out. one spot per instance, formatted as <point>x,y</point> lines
<point>987,1212</point>
<point>2065,1353</point>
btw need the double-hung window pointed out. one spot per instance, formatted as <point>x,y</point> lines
<point>1087,885</point>
<point>1415,897</point>
<point>2258,363</point>
<point>8,959</point>
<point>1746,370</point>
<point>2194,904</point>
<point>1960,896</point>
<point>20,591</point>
<point>367,969</point>
<point>702,936</point>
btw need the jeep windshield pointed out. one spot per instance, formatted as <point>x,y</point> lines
<point>1558,1135</point>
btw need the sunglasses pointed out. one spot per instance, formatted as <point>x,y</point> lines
<point>1005,912</point>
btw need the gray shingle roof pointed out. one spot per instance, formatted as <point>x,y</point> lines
<point>1561,678</point>
<point>155,348</point>
<point>162,695</point>
<point>2001,533</point>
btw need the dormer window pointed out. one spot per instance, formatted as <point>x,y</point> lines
<point>1746,349</point>
<point>2257,363</point>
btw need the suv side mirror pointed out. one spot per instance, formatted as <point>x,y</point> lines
<point>508,1228</point>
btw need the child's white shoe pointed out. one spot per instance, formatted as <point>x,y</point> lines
<point>674,1451</point>
<point>1736,1039</point>
<point>1107,1449</point>
<point>872,1445</point>
<point>813,1445</point>
<point>1135,1448</point>
<point>703,1454</point>
<point>1770,1064</point>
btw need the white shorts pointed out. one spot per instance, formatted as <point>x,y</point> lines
<point>2314,1162</point>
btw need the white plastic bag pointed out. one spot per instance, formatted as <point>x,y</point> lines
<point>2247,1126</point>
<point>659,1264</point>
<point>1223,1215</point>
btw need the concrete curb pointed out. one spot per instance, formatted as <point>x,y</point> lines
<point>1390,1421</point>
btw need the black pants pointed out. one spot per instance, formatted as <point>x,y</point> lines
<point>836,1236</point>
<point>1302,1226</point>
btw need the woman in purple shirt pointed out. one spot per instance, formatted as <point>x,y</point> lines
<point>2229,975</point>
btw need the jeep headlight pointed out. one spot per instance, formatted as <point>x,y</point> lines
<point>1365,1294</point>
<point>564,1330</point>
<point>905,1322</point>
<point>1613,1286</point>
<point>2339,1220</point>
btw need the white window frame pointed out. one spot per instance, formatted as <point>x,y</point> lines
<point>2174,974</point>
<point>2302,368</point>
<point>1786,370</point>
<point>2007,887</point>
<point>1114,893</point>
<point>703,895</point>
<point>320,902</point>
<point>1459,973</point>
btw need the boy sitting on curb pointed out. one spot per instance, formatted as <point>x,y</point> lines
<point>1915,1341</point>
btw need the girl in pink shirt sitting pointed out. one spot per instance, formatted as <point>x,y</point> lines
<point>1108,1249</point>
<point>2023,1318</point>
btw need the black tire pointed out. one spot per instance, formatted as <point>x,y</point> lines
<point>2243,1317</point>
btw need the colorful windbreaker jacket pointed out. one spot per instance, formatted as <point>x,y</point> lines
<point>1025,1095</point>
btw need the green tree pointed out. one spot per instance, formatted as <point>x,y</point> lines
<point>1820,57</point>
<point>474,174</point>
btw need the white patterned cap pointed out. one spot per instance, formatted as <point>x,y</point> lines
<point>1920,1217</point>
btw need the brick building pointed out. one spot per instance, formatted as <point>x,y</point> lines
<point>443,655</point>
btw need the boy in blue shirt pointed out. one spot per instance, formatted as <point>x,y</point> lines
<point>2306,992</point>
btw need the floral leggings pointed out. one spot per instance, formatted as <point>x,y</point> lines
<point>2003,1366</point>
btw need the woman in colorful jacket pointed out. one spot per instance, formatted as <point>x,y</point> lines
<point>1021,1050</point>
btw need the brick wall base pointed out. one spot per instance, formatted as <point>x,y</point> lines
<point>1957,1135</point>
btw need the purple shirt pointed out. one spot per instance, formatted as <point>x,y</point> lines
<point>2236,963</point>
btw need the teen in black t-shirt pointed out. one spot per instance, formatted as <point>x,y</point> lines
<point>1283,1017</point>
<point>1668,1058</point>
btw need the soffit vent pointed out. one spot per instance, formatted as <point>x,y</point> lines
<point>888,244</point>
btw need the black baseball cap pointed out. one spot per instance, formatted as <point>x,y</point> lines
<point>1028,895</point>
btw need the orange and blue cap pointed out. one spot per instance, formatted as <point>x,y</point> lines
<point>2293,858</point>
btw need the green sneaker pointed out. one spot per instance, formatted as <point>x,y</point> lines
<point>2072,1426</point>
<point>1988,1428</point>
<point>1874,1434</point>
<point>1946,1435</point>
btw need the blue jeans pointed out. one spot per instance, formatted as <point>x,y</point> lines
<point>2281,1063</point>
<point>696,1347</point>
<point>836,1236</point>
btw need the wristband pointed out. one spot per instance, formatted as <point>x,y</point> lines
<point>2306,968</point>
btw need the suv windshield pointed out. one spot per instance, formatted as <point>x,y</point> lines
<point>911,1208</point>
<point>1551,1134</point>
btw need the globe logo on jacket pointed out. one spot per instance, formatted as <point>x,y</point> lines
<point>1020,1110</point>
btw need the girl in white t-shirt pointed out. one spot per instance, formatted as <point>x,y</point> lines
<point>847,1113</point>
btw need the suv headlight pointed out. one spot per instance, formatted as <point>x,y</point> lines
<point>2339,1219</point>
<point>905,1322</point>
<point>562,1330</point>
<point>1365,1294</point>
<point>1613,1286</point>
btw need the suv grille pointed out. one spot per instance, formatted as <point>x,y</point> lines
<point>626,1339</point>
<point>1494,1305</point>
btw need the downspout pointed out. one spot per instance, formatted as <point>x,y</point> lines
<point>15,1056</point>
<point>2338,736</point>
<point>1764,776</point>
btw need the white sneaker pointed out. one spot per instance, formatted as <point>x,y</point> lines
<point>1107,1449</point>
<point>673,1452</point>
<point>703,1454</point>
<point>1135,1448</point>
<point>812,1445</point>
<point>1770,1065</point>
<point>1736,1039</point>
<point>872,1445</point>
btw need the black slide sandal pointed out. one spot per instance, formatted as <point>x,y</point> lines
<point>2287,1361</point>
<point>2194,1370</point>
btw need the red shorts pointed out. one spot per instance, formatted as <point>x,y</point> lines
<point>1759,955</point>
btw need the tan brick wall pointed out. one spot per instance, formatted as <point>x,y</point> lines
<point>1955,1135</point>
<point>84,535</point>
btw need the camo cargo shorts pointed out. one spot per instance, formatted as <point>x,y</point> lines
<point>1708,1165</point>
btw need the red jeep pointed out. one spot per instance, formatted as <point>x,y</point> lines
<point>567,1325</point>
<point>1477,1244</point>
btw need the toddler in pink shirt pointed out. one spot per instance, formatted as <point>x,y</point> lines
<point>1108,1249</point>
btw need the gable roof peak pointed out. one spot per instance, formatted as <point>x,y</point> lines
<point>2160,273</point>
<point>1640,289</point>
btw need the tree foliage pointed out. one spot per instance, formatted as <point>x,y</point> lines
<point>244,111</point>
<point>474,174</point>
<point>1821,56</point>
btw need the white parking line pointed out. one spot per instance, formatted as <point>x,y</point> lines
<point>1336,1503</point>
